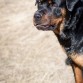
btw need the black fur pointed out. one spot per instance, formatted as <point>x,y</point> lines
<point>73,31</point>
<point>71,37</point>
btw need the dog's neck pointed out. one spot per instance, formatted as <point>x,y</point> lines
<point>71,34</point>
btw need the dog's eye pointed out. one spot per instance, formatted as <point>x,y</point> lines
<point>57,12</point>
<point>43,11</point>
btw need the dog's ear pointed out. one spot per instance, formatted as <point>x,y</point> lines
<point>70,4</point>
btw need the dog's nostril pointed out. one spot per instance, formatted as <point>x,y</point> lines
<point>37,16</point>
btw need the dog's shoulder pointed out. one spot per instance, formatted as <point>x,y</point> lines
<point>73,30</point>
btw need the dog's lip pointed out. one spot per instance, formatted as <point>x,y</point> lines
<point>42,26</point>
<point>45,27</point>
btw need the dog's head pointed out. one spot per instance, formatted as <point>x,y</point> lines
<point>51,14</point>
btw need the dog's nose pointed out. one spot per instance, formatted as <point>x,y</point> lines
<point>37,16</point>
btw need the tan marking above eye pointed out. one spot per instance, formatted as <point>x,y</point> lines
<point>49,1</point>
<point>63,11</point>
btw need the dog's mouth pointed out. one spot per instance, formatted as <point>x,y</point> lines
<point>46,27</point>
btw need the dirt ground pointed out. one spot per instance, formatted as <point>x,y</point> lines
<point>26,54</point>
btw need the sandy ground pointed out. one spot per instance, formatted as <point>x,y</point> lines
<point>26,54</point>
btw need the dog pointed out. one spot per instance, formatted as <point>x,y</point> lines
<point>65,19</point>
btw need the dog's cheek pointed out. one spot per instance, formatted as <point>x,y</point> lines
<point>56,21</point>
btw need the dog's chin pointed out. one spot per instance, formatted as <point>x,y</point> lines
<point>46,27</point>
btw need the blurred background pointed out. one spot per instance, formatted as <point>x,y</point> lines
<point>26,54</point>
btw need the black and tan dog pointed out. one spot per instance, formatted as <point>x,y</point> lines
<point>65,19</point>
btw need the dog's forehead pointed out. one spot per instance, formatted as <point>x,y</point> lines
<point>58,2</point>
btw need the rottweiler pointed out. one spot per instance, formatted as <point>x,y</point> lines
<point>65,19</point>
